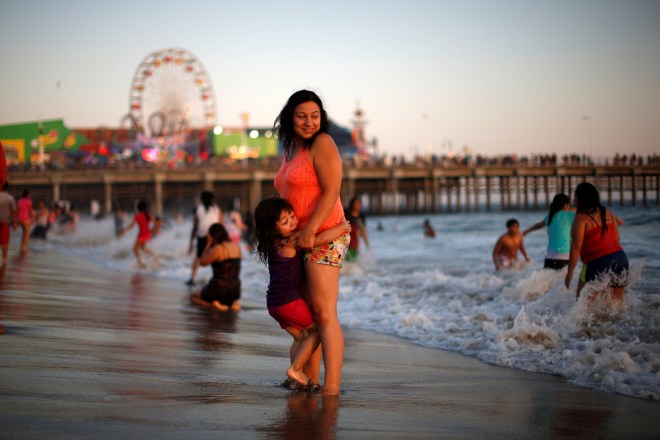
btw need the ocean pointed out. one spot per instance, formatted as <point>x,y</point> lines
<point>444,293</point>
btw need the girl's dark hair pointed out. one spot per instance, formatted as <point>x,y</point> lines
<point>266,215</point>
<point>207,200</point>
<point>142,207</point>
<point>557,204</point>
<point>218,233</point>
<point>588,202</point>
<point>283,125</point>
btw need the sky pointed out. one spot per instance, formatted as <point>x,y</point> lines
<point>493,77</point>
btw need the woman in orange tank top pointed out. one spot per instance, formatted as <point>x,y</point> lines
<point>595,240</point>
<point>310,179</point>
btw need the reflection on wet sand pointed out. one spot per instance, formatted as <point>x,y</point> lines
<point>307,416</point>
<point>89,353</point>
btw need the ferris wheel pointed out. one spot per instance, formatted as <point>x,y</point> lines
<point>171,92</point>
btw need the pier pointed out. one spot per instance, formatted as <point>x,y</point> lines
<point>383,190</point>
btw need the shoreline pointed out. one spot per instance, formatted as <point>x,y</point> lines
<point>93,353</point>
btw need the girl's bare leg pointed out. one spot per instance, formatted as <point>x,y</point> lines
<point>308,345</point>
<point>323,283</point>
<point>136,251</point>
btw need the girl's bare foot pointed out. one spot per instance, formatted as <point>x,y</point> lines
<point>298,376</point>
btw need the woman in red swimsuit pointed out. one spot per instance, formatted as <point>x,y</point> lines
<point>310,179</point>
<point>595,240</point>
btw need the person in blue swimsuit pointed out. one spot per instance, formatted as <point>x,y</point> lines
<point>559,222</point>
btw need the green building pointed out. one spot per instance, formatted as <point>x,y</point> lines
<point>22,142</point>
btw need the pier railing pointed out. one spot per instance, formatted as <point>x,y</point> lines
<point>383,190</point>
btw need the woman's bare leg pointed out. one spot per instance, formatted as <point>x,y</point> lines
<point>323,283</point>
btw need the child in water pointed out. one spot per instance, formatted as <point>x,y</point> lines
<point>143,219</point>
<point>275,238</point>
<point>506,249</point>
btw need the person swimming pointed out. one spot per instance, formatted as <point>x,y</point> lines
<point>505,252</point>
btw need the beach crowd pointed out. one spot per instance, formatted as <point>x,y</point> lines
<point>305,235</point>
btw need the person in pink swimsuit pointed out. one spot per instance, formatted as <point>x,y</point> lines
<point>310,180</point>
<point>25,217</point>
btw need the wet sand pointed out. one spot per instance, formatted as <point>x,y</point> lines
<point>89,353</point>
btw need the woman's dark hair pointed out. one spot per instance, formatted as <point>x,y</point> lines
<point>218,233</point>
<point>588,202</point>
<point>266,215</point>
<point>207,199</point>
<point>26,192</point>
<point>557,204</point>
<point>142,207</point>
<point>283,125</point>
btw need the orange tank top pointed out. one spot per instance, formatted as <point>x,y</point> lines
<point>596,245</point>
<point>297,182</point>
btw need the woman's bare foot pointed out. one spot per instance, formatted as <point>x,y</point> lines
<point>218,306</point>
<point>298,376</point>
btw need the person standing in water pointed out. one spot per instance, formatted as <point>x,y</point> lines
<point>25,218</point>
<point>143,219</point>
<point>7,219</point>
<point>204,215</point>
<point>310,179</point>
<point>559,222</point>
<point>358,224</point>
<point>595,240</point>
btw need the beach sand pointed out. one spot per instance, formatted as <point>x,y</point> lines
<point>89,353</point>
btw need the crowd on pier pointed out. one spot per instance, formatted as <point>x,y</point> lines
<point>354,161</point>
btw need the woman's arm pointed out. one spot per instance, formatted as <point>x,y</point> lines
<point>211,253</point>
<point>534,227</point>
<point>327,164</point>
<point>329,235</point>
<point>577,238</point>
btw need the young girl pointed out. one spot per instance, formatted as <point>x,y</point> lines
<point>143,219</point>
<point>275,241</point>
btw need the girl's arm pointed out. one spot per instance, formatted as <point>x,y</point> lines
<point>128,228</point>
<point>577,238</point>
<point>329,235</point>
<point>534,227</point>
<point>327,164</point>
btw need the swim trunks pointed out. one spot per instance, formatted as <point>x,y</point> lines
<point>614,265</point>
<point>294,314</point>
<point>332,253</point>
<point>504,261</point>
<point>553,263</point>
